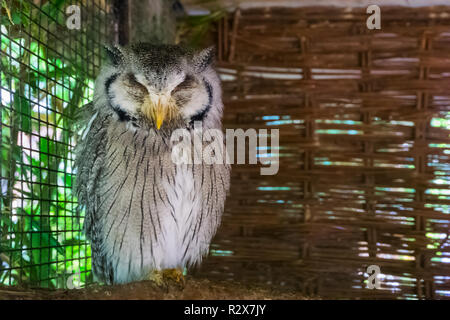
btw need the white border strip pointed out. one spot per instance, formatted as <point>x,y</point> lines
<point>341,3</point>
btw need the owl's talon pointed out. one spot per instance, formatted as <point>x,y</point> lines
<point>162,278</point>
<point>157,277</point>
<point>175,275</point>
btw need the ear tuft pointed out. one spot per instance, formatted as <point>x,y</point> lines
<point>114,54</point>
<point>203,59</point>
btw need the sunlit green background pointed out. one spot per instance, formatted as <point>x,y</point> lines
<point>47,74</point>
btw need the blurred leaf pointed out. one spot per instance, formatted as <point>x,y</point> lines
<point>22,106</point>
<point>8,12</point>
<point>68,180</point>
<point>16,19</point>
<point>45,239</point>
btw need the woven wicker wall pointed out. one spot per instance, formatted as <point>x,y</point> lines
<point>364,151</point>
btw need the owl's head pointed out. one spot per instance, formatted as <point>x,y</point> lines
<point>160,87</point>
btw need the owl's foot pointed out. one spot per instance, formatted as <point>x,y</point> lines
<point>157,277</point>
<point>162,278</point>
<point>174,275</point>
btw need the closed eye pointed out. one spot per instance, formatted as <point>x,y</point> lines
<point>187,83</point>
<point>132,81</point>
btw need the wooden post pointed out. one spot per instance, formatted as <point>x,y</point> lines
<point>121,26</point>
<point>151,21</point>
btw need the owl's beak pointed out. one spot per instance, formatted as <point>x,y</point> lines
<point>158,107</point>
<point>159,115</point>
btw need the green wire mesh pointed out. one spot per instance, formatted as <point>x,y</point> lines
<point>47,73</point>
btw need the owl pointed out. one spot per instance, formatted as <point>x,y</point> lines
<point>147,216</point>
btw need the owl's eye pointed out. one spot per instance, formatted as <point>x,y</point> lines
<point>132,79</point>
<point>187,83</point>
<point>133,82</point>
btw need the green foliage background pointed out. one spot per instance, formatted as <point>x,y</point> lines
<point>47,73</point>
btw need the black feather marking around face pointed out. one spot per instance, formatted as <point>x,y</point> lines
<point>114,54</point>
<point>199,116</point>
<point>123,115</point>
<point>109,81</point>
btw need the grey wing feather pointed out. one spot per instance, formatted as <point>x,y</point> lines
<point>90,152</point>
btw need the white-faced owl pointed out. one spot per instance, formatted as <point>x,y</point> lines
<point>144,213</point>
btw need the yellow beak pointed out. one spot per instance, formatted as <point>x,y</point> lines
<point>160,114</point>
<point>159,107</point>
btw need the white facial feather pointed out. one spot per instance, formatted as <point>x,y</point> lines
<point>197,102</point>
<point>121,97</point>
